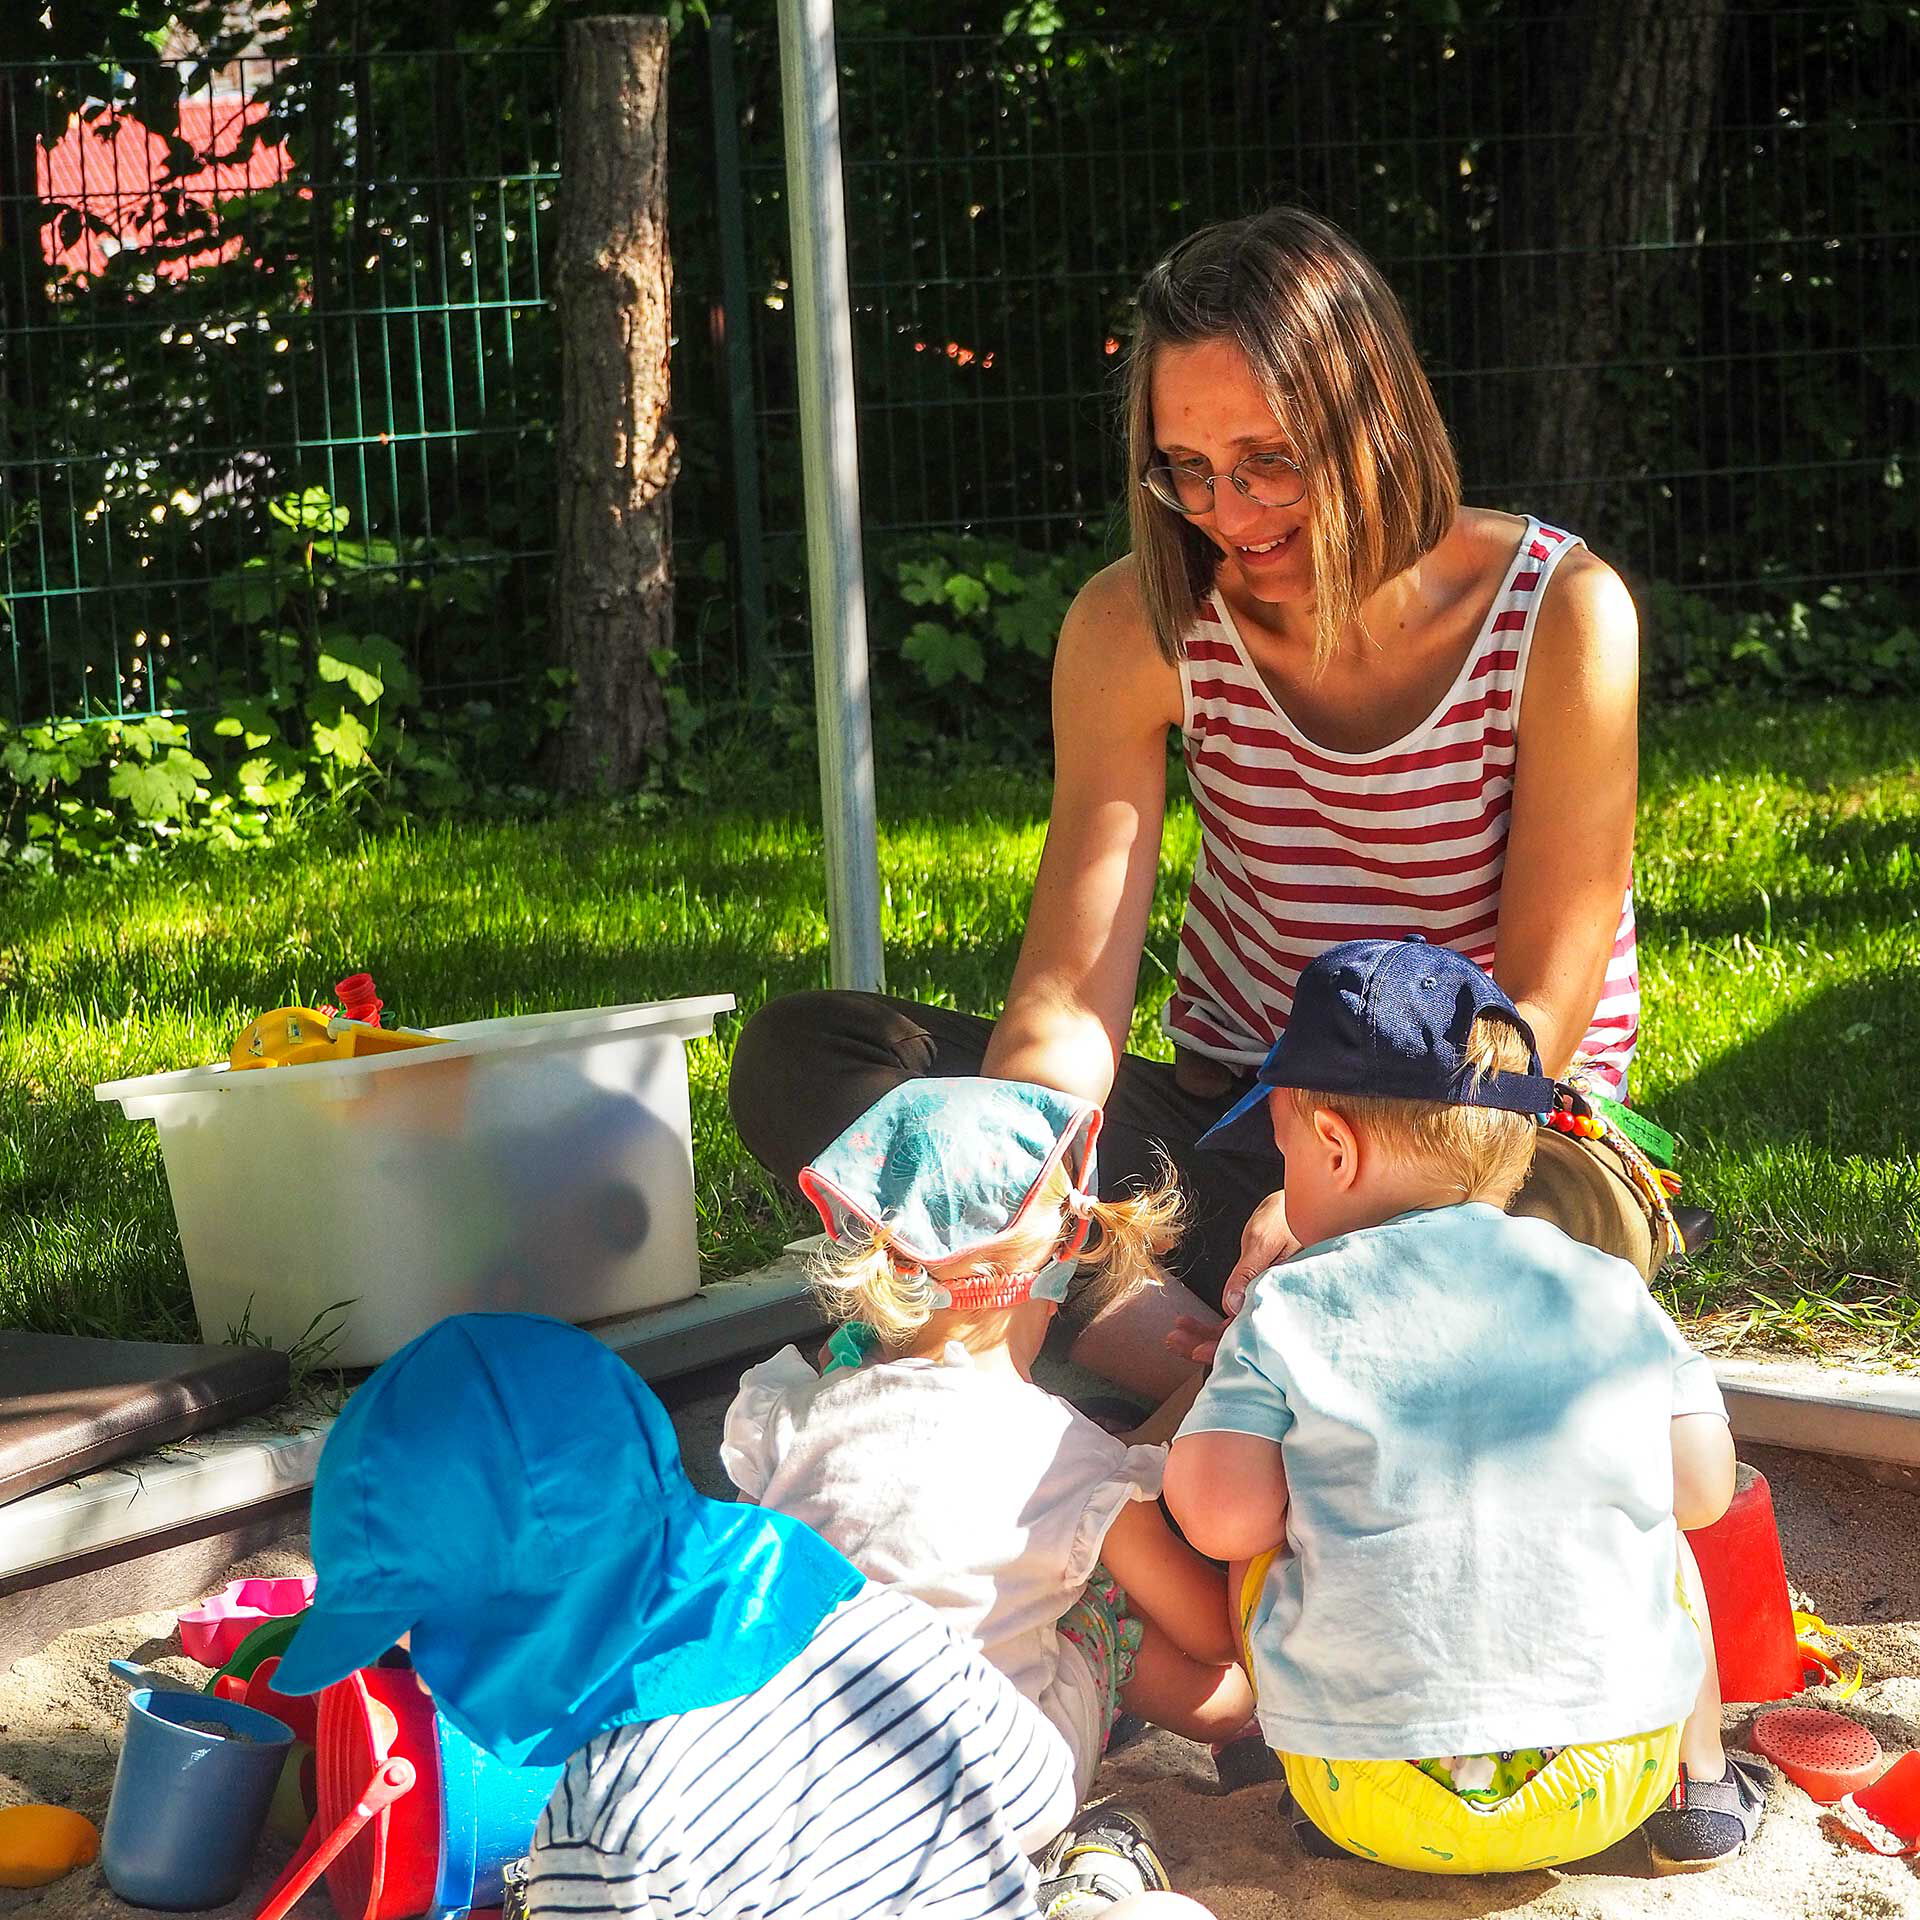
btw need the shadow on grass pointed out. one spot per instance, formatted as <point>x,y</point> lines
<point>1880,890</point>
<point>1843,1064</point>
<point>1818,742</point>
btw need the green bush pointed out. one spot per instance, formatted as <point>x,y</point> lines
<point>963,635</point>
<point>322,715</point>
<point>1848,641</point>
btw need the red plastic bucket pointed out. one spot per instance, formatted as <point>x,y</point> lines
<point>1746,1583</point>
<point>389,1869</point>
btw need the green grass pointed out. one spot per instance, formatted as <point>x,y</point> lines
<point>1780,952</point>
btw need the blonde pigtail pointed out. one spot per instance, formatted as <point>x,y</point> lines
<point>861,1280</point>
<point>1130,1235</point>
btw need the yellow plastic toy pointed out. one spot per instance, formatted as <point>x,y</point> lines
<point>296,1036</point>
<point>39,1844</point>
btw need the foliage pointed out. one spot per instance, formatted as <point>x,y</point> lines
<point>324,711</point>
<point>963,632</point>
<point>1853,641</point>
<point>382,331</point>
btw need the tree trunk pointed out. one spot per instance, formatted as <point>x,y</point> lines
<point>613,575</point>
<point>24,306</point>
<point>1599,234</point>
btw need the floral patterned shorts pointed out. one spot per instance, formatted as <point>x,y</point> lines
<point>1099,1624</point>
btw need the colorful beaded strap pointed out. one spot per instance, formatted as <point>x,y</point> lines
<point>1645,1151</point>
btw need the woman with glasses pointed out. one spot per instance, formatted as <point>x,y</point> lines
<point>1398,715</point>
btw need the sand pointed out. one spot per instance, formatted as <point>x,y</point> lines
<point>1852,1549</point>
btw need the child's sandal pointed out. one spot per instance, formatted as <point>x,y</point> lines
<point>1109,1854</point>
<point>1707,1822</point>
<point>1245,1761</point>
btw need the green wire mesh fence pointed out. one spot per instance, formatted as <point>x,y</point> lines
<point>295,362</point>
<point>1753,387</point>
<point>274,354</point>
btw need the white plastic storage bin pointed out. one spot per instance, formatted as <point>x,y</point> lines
<point>539,1164</point>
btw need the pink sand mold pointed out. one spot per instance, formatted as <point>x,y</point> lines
<point>211,1632</point>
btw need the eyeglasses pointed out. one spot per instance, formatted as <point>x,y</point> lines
<point>1267,479</point>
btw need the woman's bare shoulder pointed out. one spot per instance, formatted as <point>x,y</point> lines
<point>1112,597</point>
<point>1584,593</point>
<point>1107,646</point>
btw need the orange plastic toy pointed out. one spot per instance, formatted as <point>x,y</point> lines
<point>1825,1754</point>
<point>1746,1581</point>
<point>299,1036</point>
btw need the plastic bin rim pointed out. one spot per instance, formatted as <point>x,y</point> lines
<point>465,1040</point>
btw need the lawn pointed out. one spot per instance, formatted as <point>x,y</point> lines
<point>1779,899</point>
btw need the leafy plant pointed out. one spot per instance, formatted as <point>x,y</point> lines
<point>963,635</point>
<point>1859,641</point>
<point>323,713</point>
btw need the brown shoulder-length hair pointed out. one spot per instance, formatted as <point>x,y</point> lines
<point>1330,347</point>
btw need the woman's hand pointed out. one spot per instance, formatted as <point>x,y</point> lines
<point>1265,1241</point>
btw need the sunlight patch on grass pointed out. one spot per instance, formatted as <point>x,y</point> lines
<point>1776,884</point>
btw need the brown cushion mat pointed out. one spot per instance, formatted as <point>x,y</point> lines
<point>68,1405</point>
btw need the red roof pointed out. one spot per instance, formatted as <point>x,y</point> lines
<point>114,169</point>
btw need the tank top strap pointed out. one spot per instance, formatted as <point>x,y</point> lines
<point>1498,665</point>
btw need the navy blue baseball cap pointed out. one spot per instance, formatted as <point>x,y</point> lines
<point>1390,1019</point>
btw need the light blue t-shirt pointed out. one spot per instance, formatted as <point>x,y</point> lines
<point>1480,1546</point>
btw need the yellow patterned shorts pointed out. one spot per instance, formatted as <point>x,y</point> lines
<point>1582,1801</point>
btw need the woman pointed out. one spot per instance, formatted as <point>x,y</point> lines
<point>1398,715</point>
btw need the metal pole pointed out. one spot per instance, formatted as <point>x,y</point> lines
<point>749,597</point>
<point>810,96</point>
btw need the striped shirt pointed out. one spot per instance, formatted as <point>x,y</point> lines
<point>1302,847</point>
<point>886,1770</point>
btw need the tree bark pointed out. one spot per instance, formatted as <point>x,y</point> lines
<point>613,576</point>
<point>24,306</point>
<point>1599,233</point>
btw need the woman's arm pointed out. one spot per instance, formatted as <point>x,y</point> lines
<point>1570,837</point>
<point>1070,1004</point>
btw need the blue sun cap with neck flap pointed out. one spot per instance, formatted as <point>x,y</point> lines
<point>1390,1019</point>
<point>945,1168</point>
<point>509,1492</point>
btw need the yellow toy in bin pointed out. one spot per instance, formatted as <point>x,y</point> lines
<point>298,1036</point>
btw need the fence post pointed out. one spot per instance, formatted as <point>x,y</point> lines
<point>749,585</point>
<point>616,458</point>
<point>830,454</point>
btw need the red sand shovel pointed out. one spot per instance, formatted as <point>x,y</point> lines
<point>316,1854</point>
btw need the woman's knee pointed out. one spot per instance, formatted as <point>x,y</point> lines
<point>776,1078</point>
<point>807,1065</point>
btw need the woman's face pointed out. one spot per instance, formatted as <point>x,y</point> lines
<point>1209,414</point>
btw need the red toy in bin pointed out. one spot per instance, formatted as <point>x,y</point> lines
<point>377,1832</point>
<point>1746,1581</point>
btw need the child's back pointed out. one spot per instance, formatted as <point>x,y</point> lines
<point>1479,1481</point>
<point>961,1484</point>
<point>1452,1451</point>
<point>956,1210</point>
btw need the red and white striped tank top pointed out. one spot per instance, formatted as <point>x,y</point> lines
<point>1302,847</point>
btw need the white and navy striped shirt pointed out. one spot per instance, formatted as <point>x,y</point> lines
<point>886,1770</point>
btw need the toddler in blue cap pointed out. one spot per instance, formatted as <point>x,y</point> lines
<point>956,1210</point>
<point>745,1724</point>
<point>1448,1453</point>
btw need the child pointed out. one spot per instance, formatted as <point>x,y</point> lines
<point>746,1724</point>
<point>1446,1450</point>
<point>957,1210</point>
